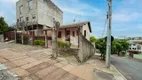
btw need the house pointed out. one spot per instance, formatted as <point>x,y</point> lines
<point>38,14</point>
<point>135,45</point>
<point>70,32</point>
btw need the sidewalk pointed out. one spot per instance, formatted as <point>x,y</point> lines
<point>33,63</point>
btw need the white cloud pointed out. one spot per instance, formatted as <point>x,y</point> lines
<point>77,8</point>
<point>125,17</point>
<point>8,1</point>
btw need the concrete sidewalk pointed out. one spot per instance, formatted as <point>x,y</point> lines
<point>34,63</point>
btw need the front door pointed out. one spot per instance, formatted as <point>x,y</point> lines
<point>68,35</point>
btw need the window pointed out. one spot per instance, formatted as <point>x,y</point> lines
<point>21,9</point>
<point>30,3</point>
<point>85,33</point>
<point>27,18</point>
<point>17,20</point>
<point>59,34</point>
<point>21,19</point>
<point>73,33</point>
<point>33,16</point>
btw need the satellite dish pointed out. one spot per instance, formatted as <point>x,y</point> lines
<point>57,24</point>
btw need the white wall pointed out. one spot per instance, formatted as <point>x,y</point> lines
<point>86,27</point>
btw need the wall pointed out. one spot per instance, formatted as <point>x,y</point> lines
<point>1,38</point>
<point>47,10</point>
<point>26,11</point>
<point>86,27</point>
<point>86,48</point>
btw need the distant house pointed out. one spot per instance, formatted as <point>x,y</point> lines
<point>135,45</point>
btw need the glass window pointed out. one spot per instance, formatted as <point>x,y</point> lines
<point>30,2</point>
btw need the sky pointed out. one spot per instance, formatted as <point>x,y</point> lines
<point>126,15</point>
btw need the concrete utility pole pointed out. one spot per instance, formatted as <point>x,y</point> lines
<point>108,50</point>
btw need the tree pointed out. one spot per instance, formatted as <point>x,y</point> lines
<point>93,39</point>
<point>101,45</point>
<point>119,46</point>
<point>3,25</point>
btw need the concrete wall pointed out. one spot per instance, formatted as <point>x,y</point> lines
<point>86,27</point>
<point>47,11</point>
<point>1,38</point>
<point>26,12</point>
<point>86,48</point>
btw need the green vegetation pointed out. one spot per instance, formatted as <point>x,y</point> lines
<point>62,44</point>
<point>39,42</point>
<point>93,39</point>
<point>3,25</point>
<point>119,46</point>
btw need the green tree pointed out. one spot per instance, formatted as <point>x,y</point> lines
<point>101,45</point>
<point>119,46</point>
<point>93,39</point>
<point>3,25</point>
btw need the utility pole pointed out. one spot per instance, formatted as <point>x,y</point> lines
<point>108,50</point>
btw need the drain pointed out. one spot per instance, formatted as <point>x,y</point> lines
<point>105,76</point>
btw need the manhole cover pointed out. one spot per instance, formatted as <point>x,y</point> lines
<point>105,76</point>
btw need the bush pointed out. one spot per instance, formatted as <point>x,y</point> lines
<point>62,44</point>
<point>36,42</point>
<point>41,42</point>
<point>67,44</point>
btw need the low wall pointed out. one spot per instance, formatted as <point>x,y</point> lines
<point>70,51</point>
<point>86,49</point>
<point>1,38</point>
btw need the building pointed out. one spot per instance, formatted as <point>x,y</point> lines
<point>40,16</point>
<point>39,12</point>
<point>70,32</point>
<point>135,45</point>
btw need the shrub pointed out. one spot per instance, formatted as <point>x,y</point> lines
<point>41,42</point>
<point>36,42</point>
<point>67,44</point>
<point>62,44</point>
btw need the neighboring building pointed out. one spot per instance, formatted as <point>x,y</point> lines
<point>135,45</point>
<point>41,12</point>
<point>70,32</point>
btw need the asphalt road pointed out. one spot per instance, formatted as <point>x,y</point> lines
<point>132,70</point>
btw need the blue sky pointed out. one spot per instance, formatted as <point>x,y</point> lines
<point>126,19</point>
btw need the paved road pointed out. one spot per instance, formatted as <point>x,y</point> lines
<point>131,69</point>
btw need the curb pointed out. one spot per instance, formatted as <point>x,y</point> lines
<point>118,72</point>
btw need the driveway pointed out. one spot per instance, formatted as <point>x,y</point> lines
<point>132,70</point>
